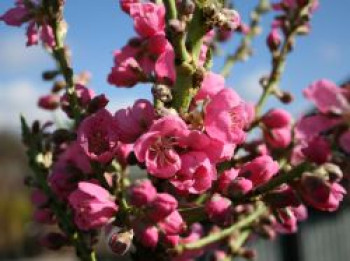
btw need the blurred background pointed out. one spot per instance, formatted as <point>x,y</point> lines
<point>96,29</point>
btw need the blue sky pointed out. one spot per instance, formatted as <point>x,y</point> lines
<point>97,28</point>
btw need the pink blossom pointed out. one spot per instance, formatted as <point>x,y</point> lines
<point>32,34</point>
<point>260,170</point>
<point>134,121</point>
<point>162,205</point>
<point>123,152</point>
<point>16,16</point>
<point>321,194</point>
<point>49,102</point>
<point>279,137</point>
<point>97,135</point>
<point>93,206</point>
<point>196,174</point>
<point>218,210</point>
<point>311,126</point>
<point>142,193</point>
<point>148,236</point>
<point>318,150</point>
<point>344,141</point>
<point>287,221</point>
<point>211,85</point>
<point>277,118</point>
<point>156,148</point>
<point>47,35</point>
<point>149,18</point>
<point>173,224</point>
<point>125,5</point>
<point>165,67</point>
<point>327,97</point>
<point>225,179</point>
<point>239,186</point>
<point>226,116</point>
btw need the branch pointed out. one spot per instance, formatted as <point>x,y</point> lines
<point>279,59</point>
<point>244,49</point>
<point>215,237</point>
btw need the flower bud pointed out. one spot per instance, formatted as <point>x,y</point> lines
<point>58,86</point>
<point>318,150</point>
<point>97,103</point>
<point>335,173</point>
<point>173,224</point>
<point>218,210</point>
<point>162,205</point>
<point>142,193</point>
<point>118,241</point>
<point>260,170</point>
<point>39,199</point>
<point>282,198</point>
<point>148,236</point>
<point>53,241</point>
<point>49,102</point>
<point>44,216</point>
<point>277,118</point>
<point>273,40</point>
<point>239,186</point>
<point>50,75</point>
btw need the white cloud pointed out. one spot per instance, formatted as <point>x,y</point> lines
<point>16,57</point>
<point>248,87</point>
<point>19,97</point>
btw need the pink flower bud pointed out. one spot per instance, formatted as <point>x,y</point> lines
<point>277,118</point>
<point>225,179</point>
<point>148,236</point>
<point>49,102</point>
<point>162,206</point>
<point>239,186</point>
<point>173,224</point>
<point>273,40</point>
<point>285,197</point>
<point>44,216</point>
<point>92,205</point>
<point>260,170</point>
<point>218,210</point>
<point>142,193</point>
<point>278,138</point>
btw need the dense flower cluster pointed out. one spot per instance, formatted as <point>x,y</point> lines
<point>202,175</point>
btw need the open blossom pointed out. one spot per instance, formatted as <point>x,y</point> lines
<point>136,61</point>
<point>196,174</point>
<point>260,170</point>
<point>156,148</point>
<point>320,193</point>
<point>226,116</point>
<point>134,121</point>
<point>211,85</point>
<point>98,137</point>
<point>93,206</point>
<point>149,18</point>
<point>327,97</point>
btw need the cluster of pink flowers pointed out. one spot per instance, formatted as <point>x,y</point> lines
<point>30,12</point>
<point>148,56</point>
<point>202,173</point>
